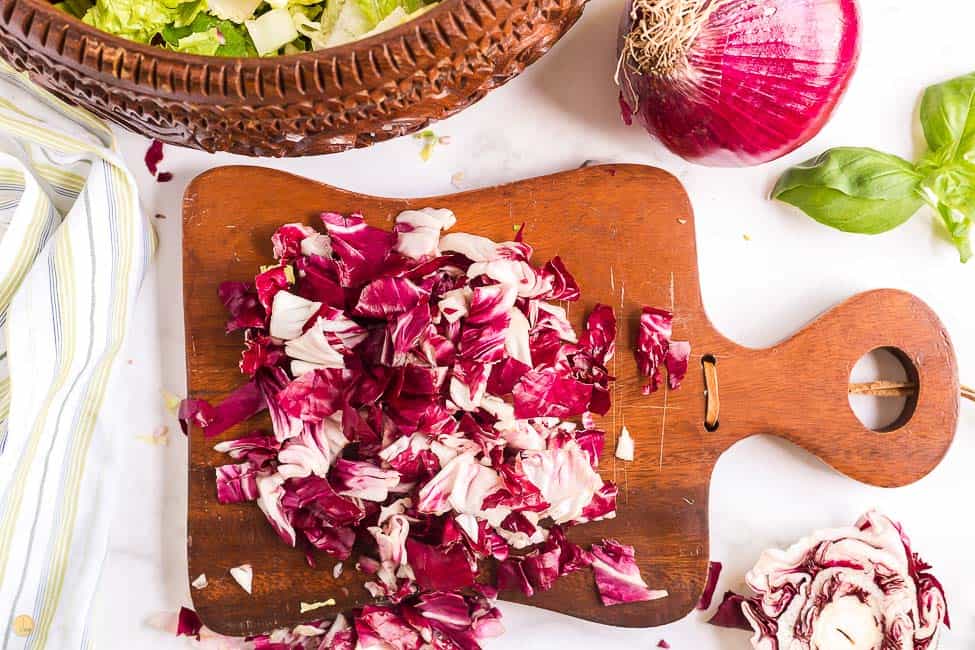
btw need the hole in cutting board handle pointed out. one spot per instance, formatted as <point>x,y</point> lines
<point>712,398</point>
<point>878,407</point>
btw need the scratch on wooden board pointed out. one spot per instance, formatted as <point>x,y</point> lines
<point>648,406</point>
<point>626,486</point>
<point>689,502</point>
<point>663,426</point>
<point>672,292</point>
<point>663,415</point>
<point>616,407</point>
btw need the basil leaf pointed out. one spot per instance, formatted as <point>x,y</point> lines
<point>948,118</point>
<point>950,190</point>
<point>853,189</point>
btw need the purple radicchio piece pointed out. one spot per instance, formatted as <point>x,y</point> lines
<point>655,351</point>
<point>860,586</point>
<point>617,575</point>
<point>420,387</point>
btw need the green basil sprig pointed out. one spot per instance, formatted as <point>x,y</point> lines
<point>866,191</point>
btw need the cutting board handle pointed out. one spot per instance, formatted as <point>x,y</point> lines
<point>798,389</point>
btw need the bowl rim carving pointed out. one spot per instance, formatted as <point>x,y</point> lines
<point>324,101</point>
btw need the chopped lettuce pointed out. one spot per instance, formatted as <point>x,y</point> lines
<point>233,10</point>
<point>316,5</point>
<point>207,42</point>
<point>348,22</point>
<point>77,8</point>
<point>244,27</point>
<point>377,11</point>
<point>141,20</point>
<point>230,39</point>
<point>272,31</point>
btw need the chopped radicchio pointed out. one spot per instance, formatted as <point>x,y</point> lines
<point>245,402</point>
<point>654,350</point>
<point>860,586</point>
<point>154,156</point>
<point>714,572</point>
<point>419,387</point>
<point>729,613</point>
<point>617,575</point>
<point>188,623</point>
<point>244,307</point>
<point>435,619</point>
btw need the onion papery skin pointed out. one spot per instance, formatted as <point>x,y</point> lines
<point>760,79</point>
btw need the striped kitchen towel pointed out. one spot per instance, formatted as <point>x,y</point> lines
<point>74,246</point>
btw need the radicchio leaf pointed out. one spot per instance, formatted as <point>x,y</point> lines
<point>188,623</point>
<point>653,341</point>
<point>363,480</point>
<point>654,350</point>
<point>729,613</point>
<point>315,395</point>
<point>550,394</point>
<point>678,353</point>
<point>361,249</point>
<point>271,382</point>
<point>862,585</point>
<point>236,483</point>
<point>714,572</point>
<point>617,575</point>
<point>565,478</point>
<point>287,241</point>
<point>441,569</point>
<point>289,314</point>
<point>418,232</point>
<point>244,403</point>
<point>241,301</point>
<point>154,156</point>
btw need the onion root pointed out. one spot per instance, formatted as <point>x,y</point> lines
<point>662,33</point>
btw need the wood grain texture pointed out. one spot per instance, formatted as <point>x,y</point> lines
<point>320,102</point>
<point>627,232</point>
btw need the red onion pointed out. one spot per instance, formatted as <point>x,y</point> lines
<point>735,82</point>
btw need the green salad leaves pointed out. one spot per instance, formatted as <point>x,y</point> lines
<point>141,20</point>
<point>209,35</point>
<point>244,27</point>
<point>866,191</point>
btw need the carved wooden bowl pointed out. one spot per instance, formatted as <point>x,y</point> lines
<point>318,102</point>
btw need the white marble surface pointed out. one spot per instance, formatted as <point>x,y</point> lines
<point>559,113</point>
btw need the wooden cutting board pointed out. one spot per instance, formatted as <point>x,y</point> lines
<point>627,233</point>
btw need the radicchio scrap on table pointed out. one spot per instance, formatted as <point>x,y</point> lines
<point>714,572</point>
<point>654,350</point>
<point>860,586</point>
<point>420,388</point>
<point>188,623</point>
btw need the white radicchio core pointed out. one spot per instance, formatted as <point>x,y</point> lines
<point>859,587</point>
